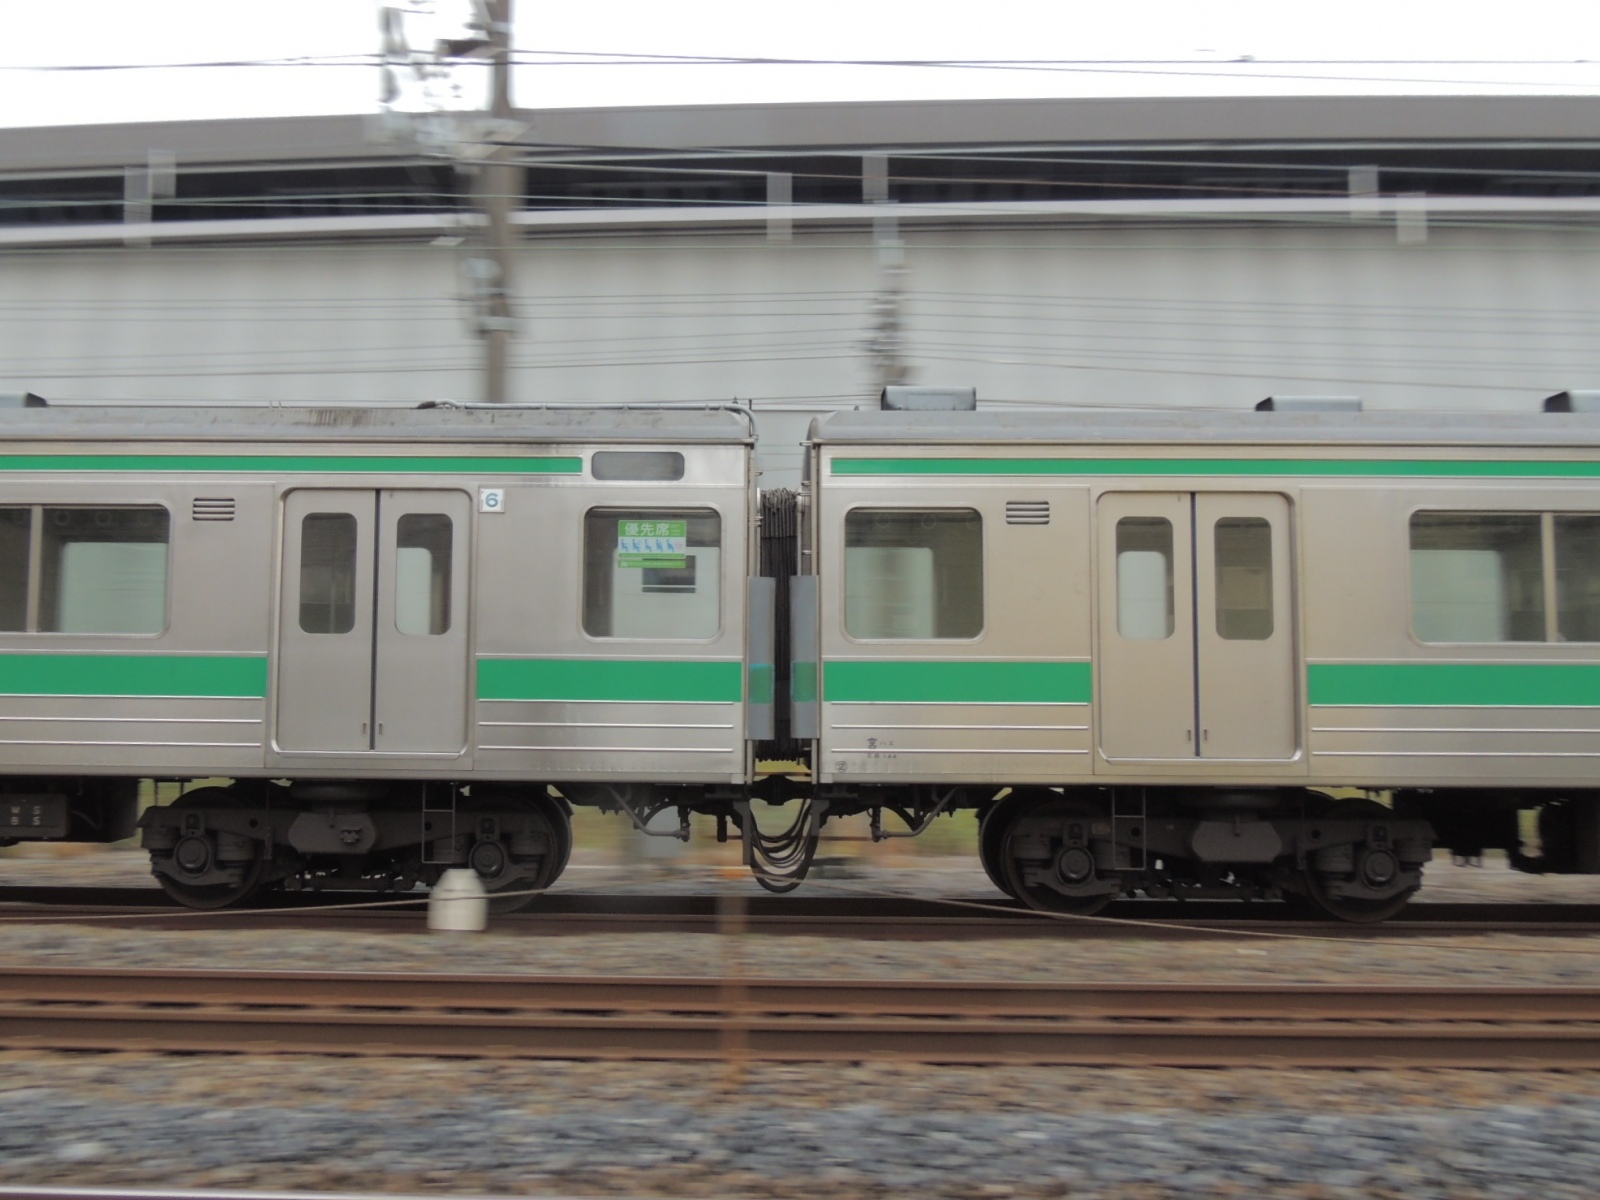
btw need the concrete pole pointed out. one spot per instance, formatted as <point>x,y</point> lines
<point>501,184</point>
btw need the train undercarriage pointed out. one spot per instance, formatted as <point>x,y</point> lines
<point>1068,850</point>
<point>216,847</point>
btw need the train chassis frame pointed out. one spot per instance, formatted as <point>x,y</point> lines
<point>1069,850</point>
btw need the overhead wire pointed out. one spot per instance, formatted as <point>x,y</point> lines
<point>1233,67</point>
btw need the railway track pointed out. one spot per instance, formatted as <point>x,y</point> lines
<point>22,1192</point>
<point>566,1017</point>
<point>875,917</point>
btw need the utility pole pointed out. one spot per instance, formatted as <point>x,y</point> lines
<point>886,342</point>
<point>501,186</point>
<point>483,148</point>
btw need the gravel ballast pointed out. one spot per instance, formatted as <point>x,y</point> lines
<point>674,1130</point>
<point>671,1129</point>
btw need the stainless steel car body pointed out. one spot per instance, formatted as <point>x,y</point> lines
<point>511,688</point>
<point>1342,692</point>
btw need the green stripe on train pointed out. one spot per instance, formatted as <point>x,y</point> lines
<point>653,679</point>
<point>133,675</point>
<point>803,682</point>
<point>1488,685</point>
<point>968,681</point>
<point>314,464</point>
<point>1300,467</point>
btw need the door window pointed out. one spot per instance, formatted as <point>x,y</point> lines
<point>328,572</point>
<point>1244,578</point>
<point>1144,578</point>
<point>422,574</point>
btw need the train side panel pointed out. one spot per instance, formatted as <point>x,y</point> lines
<point>1501,689</point>
<point>121,656</point>
<point>955,630</point>
<point>593,664</point>
<point>1450,637</point>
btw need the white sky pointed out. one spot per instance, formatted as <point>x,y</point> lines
<point>1206,38</point>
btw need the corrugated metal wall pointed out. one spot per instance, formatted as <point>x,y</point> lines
<point>1472,316</point>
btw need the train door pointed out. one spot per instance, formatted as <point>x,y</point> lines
<point>1196,633</point>
<point>372,632</point>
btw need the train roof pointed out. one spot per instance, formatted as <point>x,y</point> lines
<point>1203,426</point>
<point>475,423</point>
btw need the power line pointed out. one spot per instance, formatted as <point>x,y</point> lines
<point>659,58</point>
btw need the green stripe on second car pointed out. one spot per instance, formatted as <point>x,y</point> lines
<point>1252,467</point>
<point>964,681</point>
<point>230,676</point>
<point>803,682</point>
<point>1449,685</point>
<point>716,681</point>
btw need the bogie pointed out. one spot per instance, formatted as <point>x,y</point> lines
<point>217,847</point>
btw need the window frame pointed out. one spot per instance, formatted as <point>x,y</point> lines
<point>667,510</point>
<point>36,566</point>
<point>903,506</point>
<point>1546,515</point>
<point>1169,558</point>
<point>347,520</point>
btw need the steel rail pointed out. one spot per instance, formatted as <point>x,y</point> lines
<point>52,1192</point>
<point>800,1020</point>
<point>872,918</point>
<point>380,990</point>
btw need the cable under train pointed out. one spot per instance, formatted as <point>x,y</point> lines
<point>1184,654</point>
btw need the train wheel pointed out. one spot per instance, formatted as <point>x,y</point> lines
<point>992,829</point>
<point>1374,866</point>
<point>196,854</point>
<point>528,853</point>
<point>1048,861</point>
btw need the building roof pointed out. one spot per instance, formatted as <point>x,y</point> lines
<point>907,125</point>
<point>1227,159</point>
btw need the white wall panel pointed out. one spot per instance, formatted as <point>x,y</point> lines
<point>1491,316</point>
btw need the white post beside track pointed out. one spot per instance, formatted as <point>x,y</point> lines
<point>457,903</point>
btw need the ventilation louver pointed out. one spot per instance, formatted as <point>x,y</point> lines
<point>213,508</point>
<point>1027,512</point>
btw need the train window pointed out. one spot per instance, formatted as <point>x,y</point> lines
<point>1577,551</point>
<point>16,541</point>
<point>328,572</point>
<point>422,573</point>
<point>1144,578</point>
<point>654,466</point>
<point>913,573</point>
<point>103,570</point>
<point>652,573</point>
<point>1244,578</point>
<point>1477,577</point>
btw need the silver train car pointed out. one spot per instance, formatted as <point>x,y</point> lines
<point>401,640</point>
<point>1184,654</point>
<point>1174,638</point>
